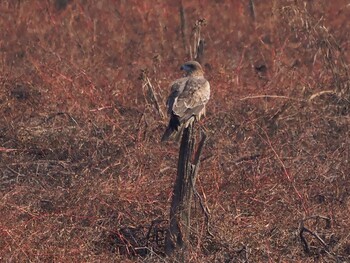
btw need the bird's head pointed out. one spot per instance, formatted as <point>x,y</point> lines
<point>192,68</point>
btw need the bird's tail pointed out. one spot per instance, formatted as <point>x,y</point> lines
<point>173,128</point>
<point>176,128</point>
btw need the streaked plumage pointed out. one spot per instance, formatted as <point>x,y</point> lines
<point>187,99</point>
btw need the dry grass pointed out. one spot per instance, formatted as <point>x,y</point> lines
<point>82,169</point>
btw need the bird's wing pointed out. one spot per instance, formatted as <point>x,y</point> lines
<point>176,89</point>
<point>192,99</point>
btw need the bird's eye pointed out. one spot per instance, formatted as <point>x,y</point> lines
<point>188,67</point>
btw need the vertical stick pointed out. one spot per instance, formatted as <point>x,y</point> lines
<point>183,26</point>
<point>179,230</point>
<point>200,51</point>
<point>252,9</point>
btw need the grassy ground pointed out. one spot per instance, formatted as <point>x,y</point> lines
<point>83,171</point>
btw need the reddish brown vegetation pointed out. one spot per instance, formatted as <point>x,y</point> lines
<point>80,155</point>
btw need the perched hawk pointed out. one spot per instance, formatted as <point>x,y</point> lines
<point>187,99</point>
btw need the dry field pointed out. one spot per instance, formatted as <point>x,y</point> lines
<point>84,177</point>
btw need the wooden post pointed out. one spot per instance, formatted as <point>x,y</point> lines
<point>177,238</point>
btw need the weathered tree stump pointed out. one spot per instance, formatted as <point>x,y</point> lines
<point>177,238</point>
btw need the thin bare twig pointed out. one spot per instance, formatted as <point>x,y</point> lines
<point>270,96</point>
<point>286,173</point>
<point>313,96</point>
<point>58,114</point>
<point>195,168</point>
<point>303,229</point>
<point>151,94</point>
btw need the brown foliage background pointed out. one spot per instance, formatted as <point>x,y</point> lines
<point>80,156</point>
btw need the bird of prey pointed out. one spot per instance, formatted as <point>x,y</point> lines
<point>187,100</point>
